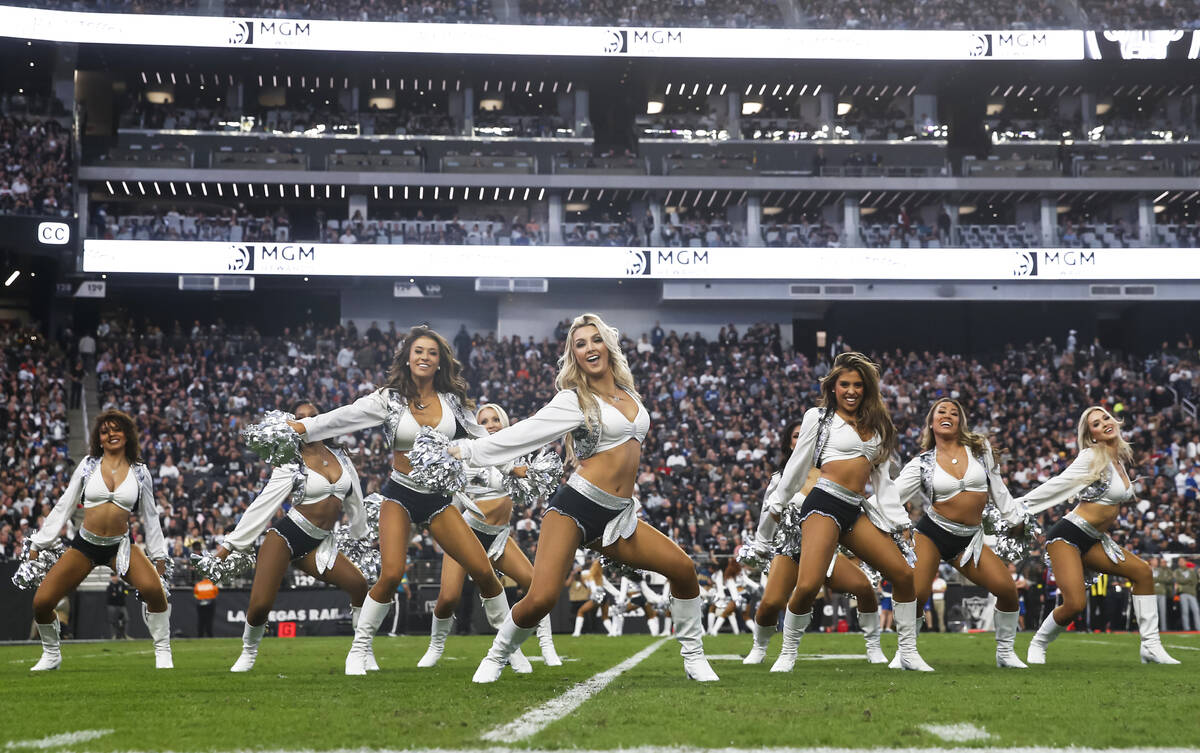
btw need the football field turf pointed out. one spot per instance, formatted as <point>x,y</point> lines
<point>1094,694</point>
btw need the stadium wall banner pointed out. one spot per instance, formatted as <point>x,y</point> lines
<point>569,41</point>
<point>604,262</point>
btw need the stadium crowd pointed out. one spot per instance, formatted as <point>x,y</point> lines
<point>36,162</point>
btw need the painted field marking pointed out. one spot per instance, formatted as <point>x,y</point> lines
<point>73,657</point>
<point>538,657</point>
<point>57,741</point>
<point>535,720</point>
<point>689,749</point>
<point>1186,648</point>
<point>957,733</point>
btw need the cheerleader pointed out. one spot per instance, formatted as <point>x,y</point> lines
<point>850,437</point>
<point>424,388</point>
<point>487,508</point>
<point>319,488</point>
<point>597,585</point>
<point>957,473</point>
<point>844,577</point>
<point>1080,539</point>
<point>111,485</point>
<point>635,598</point>
<point>605,424</point>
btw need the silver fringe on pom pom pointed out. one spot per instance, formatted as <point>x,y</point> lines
<point>1010,548</point>
<point>218,570</point>
<point>542,476</point>
<point>619,569</point>
<point>272,439</point>
<point>871,573</point>
<point>787,538</point>
<point>167,575</point>
<point>30,573</point>
<point>364,552</point>
<point>433,466</point>
<point>906,548</point>
<point>753,557</point>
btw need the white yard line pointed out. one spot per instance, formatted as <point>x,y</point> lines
<point>687,749</point>
<point>60,740</point>
<point>535,720</point>
<point>801,657</point>
<point>957,733</point>
<point>1185,648</point>
<point>68,656</point>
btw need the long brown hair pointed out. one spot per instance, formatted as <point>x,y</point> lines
<point>447,379</point>
<point>872,413</point>
<point>123,423</point>
<point>972,440</point>
<point>785,446</point>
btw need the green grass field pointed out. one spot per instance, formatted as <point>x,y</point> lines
<point>1094,693</point>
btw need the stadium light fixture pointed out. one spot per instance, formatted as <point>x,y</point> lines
<point>343,192</point>
<point>392,192</point>
<point>496,194</point>
<point>110,187</point>
<point>421,193</point>
<point>296,190</point>
<point>406,193</point>
<point>751,108</point>
<point>235,191</point>
<point>708,91</point>
<point>436,191</point>
<point>511,192</point>
<point>312,192</point>
<point>526,198</point>
<point>141,188</point>
<point>172,186</point>
<point>12,278</point>
<point>188,186</point>
<point>695,89</point>
<point>790,88</point>
<point>570,84</point>
<point>541,193</point>
<point>669,89</point>
<point>1161,196</point>
<point>376,192</point>
<point>204,189</point>
<point>541,86</point>
<point>220,191</point>
<point>250,188</point>
<point>843,108</point>
<point>817,90</point>
<point>654,107</point>
<point>722,92</point>
<point>749,87</point>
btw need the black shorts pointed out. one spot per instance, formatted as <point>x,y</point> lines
<point>421,508</point>
<point>99,554</point>
<point>1065,530</point>
<point>948,544</point>
<point>299,542</point>
<point>589,516</point>
<point>821,502</point>
<point>638,601</point>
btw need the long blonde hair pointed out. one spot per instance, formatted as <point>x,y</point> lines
<point>872,413</point>
<point>972,440</point>
<point>1105,454</point>
<point>571,377</point>
<point>500,413</point>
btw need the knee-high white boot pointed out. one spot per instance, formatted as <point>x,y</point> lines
<point>666,626</point>
<point>159,624</point>
<point>578,627</point>
<point>1145,607</point>
<point>618,623</point>
<point>794,626</point>
<point>509,638</point>
<point>690,634</point>
<point>545,636</point>
<point>608,626</point>
<point>369,659</point>
<point>733,624</point>
<point>869,622</point>
<point>762,639</point>
<point>1006,633</point>
<point>908,624</point>
<point>652,625</point>
<point>438,630</point>
<point>251,637</point>
<point>51,647</point>
<point>370,616</point>
<point>1045,635</point>
<point>496,608</point>
<point>714,624</point>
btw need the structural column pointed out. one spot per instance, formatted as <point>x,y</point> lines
<point>754,220</point>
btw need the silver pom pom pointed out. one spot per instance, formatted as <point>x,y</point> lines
<point>906,548</point>
<point>30,573</point>
<point>364,552</point>
<point>787,538</point>
<point>619,569</point>
<point>1009,547</point>
<point>433,466</point>
<point>542,476</point>
<point>272,439</point>
<point>168,574</point>
<point>753,556</point>
<point>871,573</point>
<point>218,570</point>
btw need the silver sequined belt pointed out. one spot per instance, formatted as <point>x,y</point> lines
<point>483,526</point>
<point>406,481</point>
<point>310,528</point>
<point>1110,547</point>
<point>595,494</point>
<point>974,549</point>
<point>99,540</point>
<point>834,489</point>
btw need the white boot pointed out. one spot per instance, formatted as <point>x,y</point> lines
<point>545,636</point>
<point>733,620</point>
<point>712,623</point>
<point>666,626</point>
<point>437,640</point>
<point>370,616</point>
<point>652,625</point>
<point>160,632</point>
<point>608,626</point>
<point>1146,608</point>
<point>907,627</point>
<point>714,626</point>
<point>251,637</point>
<point>1045,634</point>
<point>762,639</point>
<point>508,638</point>
<point>794,626</point>
<point>869,622</point>
<point>496,608</point>
<point>618,623</point>
<point>578,627</point>
<point>369,659</point>
<point>1006,633</point>
<point>51,647</point>
<point>690,634</point>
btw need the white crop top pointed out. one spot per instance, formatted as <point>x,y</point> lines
<point>560,416</point>
<point>844,443</point>
<point>408,428</point>
<point>318,488</point>
<point>946,486</point>
<point>1109,489</point>
<point>124,496</point>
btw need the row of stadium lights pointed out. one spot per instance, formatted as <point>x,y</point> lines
<point>405,192</point>
<point>316,82</point>
<point>800,90</point>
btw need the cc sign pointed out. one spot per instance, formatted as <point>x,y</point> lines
<point>54,233</point>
